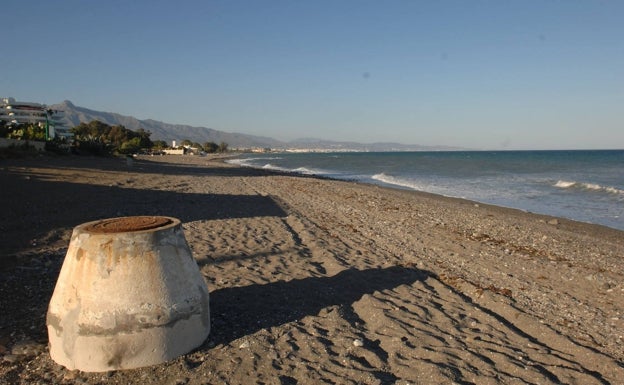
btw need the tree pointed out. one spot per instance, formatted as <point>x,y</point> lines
<point>210,147</point>
<point>26,131</point>
<point>34,131</point>
<point>144,138</point>
<point>117,135</point>
<point>131,146</point>
<point>97,137</point>
<point>223,147</point>
<point>94,131</point>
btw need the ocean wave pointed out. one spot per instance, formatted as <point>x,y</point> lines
<point>389,179</point>
<point>266,158</point>
<point>298,170</point>
<point>269,166</point>
<point>303,170</point>
<point>564,184</point>
<point>238,162</point>
<point>249,162</point>
<point>308,171</point>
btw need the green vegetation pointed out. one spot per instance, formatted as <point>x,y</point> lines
<point>25,131</point>
<point>99,138</point>
<point>208,147</point>
<point>211,147</point>
<point>159,145</point>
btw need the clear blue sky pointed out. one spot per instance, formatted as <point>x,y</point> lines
<point>477,74</point>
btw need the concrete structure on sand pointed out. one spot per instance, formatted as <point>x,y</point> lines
<point>129,295</point>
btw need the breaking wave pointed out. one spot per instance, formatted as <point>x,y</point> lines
<point>564,184</point>
<point>389,179</point>
<point>260,163</point>
<point>270,166</point>
<point>308,171</point>
<point>249,162</point>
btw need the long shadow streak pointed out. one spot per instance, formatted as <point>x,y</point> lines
<point>240,311</point>
<point>35,207</point>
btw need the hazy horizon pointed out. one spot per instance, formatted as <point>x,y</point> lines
<point>477,75</point>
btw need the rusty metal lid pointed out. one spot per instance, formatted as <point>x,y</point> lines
<point>128,224</point>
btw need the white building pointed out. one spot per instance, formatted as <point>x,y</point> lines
<point>14,112</point>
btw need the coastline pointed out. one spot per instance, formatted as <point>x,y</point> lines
<point>436,289</point>
<point>579,185</point>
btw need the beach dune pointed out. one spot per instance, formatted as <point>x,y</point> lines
<point>321,281</point>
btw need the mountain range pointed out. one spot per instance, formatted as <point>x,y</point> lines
<point>74,115</point>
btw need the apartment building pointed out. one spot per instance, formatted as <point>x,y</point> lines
<point>15,112</point>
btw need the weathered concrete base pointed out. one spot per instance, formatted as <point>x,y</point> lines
<point>129,295</point>
<point>126,351</point>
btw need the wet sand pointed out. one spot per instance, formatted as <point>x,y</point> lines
<point>322,281</point>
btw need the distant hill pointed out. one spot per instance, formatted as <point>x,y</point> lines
<point>75,115</point>
<point>168,132</point>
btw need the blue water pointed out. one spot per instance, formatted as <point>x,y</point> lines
<point>587,186</point>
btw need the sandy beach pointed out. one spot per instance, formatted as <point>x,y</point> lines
<point>322,281</point>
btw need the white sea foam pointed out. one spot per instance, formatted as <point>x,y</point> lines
<point>588,186</point>
<point>249,162</point>
<point>270,166</point>
<point>389,179</point>
<point>254,163</point>
<point>307,171</point>
<point>238,162</point>
<point>564,184</point>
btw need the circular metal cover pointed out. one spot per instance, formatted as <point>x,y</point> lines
<point>128,224</point>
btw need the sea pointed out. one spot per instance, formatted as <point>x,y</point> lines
<point>583,185</point>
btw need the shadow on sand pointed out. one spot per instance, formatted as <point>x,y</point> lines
<point>166,165</point>
<point>241,311</point>
<point>37,210</point>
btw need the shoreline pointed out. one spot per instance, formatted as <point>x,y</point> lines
<point>543,216</point>
<point>553,196</point>
<point>435,289</point>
